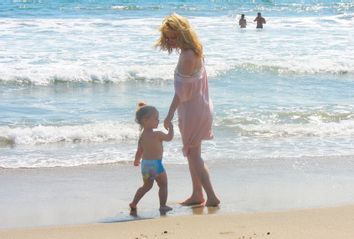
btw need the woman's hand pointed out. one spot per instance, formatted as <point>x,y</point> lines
<point>167,122</point>
<point>171,112</point>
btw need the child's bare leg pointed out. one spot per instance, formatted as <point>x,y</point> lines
<point>163,191</point>
<point>148,183</point>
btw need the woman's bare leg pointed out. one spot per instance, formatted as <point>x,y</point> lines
<point>197,196</point>
<point>200,173</point>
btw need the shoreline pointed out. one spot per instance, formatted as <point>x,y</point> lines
<point>101,193</point>
<point>321,223</point>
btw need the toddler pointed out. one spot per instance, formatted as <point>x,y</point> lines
<point>150,150</point>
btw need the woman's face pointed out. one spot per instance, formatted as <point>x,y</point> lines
<point>171,39</point>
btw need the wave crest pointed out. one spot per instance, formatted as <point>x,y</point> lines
<point>290,124</point>
<point>89,133</point>
<point>300,69</point>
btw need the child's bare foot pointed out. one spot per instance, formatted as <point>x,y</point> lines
<point>133,211</point>
<point>165,208</point>
<point>193,201</point>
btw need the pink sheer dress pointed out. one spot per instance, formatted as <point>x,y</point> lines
<point>195,109</point>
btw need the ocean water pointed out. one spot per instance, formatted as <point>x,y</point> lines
<point>72,73</point>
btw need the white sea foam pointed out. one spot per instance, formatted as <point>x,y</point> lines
<point>100,132</point>
<point>320,129</point>
<point>245,126</point>
<point>42,51</point>
<point>287,123</point>
<point>89,133</point>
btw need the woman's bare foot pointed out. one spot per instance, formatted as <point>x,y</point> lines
<point>212,202</point>
<point>165,208</point>
<point>193,201</point>
<point>132,207</point>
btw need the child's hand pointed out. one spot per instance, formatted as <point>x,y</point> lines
<point>136,162</point>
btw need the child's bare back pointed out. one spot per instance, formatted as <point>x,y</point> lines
<point>152,145</point>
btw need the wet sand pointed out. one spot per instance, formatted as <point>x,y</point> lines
<point>302,224</point>
<point>43,197</point>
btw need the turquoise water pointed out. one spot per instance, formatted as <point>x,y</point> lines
<point>72,72</point>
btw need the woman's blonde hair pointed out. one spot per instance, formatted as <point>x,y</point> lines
<point>186,36</point>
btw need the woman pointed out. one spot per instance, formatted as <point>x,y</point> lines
<point>192,102</point>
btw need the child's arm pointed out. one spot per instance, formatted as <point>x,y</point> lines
<point>169,135</point>
<point>138,154</point>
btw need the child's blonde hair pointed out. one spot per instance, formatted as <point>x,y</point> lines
<point>186,36</point>
<point>143,111</point>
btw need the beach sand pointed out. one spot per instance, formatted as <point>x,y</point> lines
<point>300,224</point>
<point>55,197</point>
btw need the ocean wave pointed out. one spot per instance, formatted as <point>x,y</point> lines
<point>150,74</point>
<point>127,7</point>
<point>88,133</point>
<point>343,129</point>
<point>111,76</point>
<point>274,68</point>
<point>122,49</point>
<point>87,7</point>
<point>319,7</point>
<point>284,47</point>
<point>289,124</point>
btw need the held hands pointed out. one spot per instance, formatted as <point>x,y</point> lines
<point>167,122</point>
<point>169,126</point>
